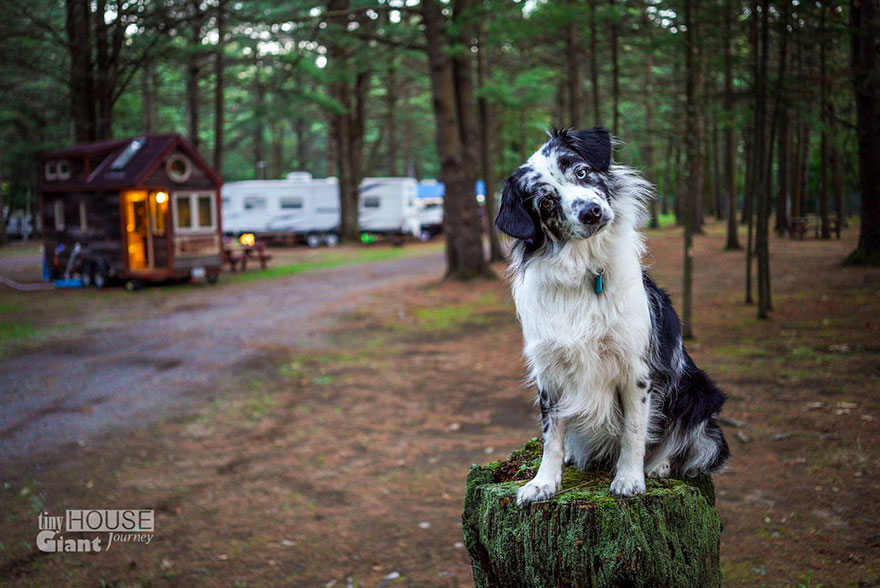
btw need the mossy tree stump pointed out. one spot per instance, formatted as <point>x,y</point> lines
<point>585,536</point>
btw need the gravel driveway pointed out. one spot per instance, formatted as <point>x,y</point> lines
<point>125,376</point>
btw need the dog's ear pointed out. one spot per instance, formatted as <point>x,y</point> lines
<point>594,145</point>
<point>513,218</point>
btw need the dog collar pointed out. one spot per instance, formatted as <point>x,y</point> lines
<point>598,284</point>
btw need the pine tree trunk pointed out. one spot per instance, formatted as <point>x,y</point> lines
<point>219,87</point>
<point>488,134</point>
<point>82,96</point>
<point>573,72</point>
<point>594,63</point>
<point>864,32</point>
<point>693,83</point>
<point>148,97</point>
<point>826,122</point>
<point>193,73</point>
<point>586,538</point>
<point>615,66</point>
<point>450,74</point>
<point>649,114</point>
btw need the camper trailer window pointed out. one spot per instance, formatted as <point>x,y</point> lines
<point>59,215</point>
<point>288,202</point>
<point>205,216</point>
<point>371,202</point>
<point>184,213</point>
<point>254,202</point>
<point>83,216</point>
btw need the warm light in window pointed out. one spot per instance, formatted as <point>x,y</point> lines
<point>161,197</point>
<point>247,239</point>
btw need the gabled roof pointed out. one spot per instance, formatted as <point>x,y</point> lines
<point>142,163</point>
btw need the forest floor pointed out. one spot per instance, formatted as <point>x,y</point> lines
<point>321,463</point>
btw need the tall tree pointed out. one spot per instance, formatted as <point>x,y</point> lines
<point>594,62</point>
<point>762,170</point>
<point>864,20</point>
<point>488,135</point>
<point>694,138</point>
<point>449,62</point>
<point>220,87</point>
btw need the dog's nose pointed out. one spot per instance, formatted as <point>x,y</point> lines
<point>590,214</point>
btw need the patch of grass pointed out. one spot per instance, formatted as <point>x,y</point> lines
<point>326,261</point>
<point>808,582</point>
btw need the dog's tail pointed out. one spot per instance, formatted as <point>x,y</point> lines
<point>700,442</point>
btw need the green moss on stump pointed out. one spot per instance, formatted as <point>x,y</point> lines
<point>585,536</point>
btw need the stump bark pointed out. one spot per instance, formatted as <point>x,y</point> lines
<point>585,536</point>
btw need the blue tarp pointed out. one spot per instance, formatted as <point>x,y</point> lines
<point>438,190</point>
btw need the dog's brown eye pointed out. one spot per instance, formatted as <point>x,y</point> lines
<point>547,204</point>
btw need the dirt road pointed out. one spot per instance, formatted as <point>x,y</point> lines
<point>137,370</point>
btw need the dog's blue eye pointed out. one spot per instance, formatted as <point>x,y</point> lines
<point>581,174</point>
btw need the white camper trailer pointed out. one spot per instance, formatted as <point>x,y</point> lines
<point>388,206</point>
<point>300,206</point>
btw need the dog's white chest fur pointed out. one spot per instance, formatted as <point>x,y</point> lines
<point>581,345</point>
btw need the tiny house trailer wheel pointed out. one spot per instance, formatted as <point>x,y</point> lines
<point>313,240</point>
<point>88,273</point>
<point>99,275</point>
<point>133,285</point>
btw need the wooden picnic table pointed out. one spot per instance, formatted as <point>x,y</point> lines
<point>237,255</point>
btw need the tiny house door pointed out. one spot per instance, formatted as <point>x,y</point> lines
<point>137,233</point>
<point>146,223</point>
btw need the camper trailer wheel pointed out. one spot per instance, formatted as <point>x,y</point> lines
<point>313,240</point>
<point>425,236</point>
<point>331,239</point>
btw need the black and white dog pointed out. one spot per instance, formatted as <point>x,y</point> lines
<point>615,385</point>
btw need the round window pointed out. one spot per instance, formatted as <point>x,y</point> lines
<point>178,167</point>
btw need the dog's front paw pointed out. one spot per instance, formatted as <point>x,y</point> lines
<point>661,470</point>
<point>535,491</point>
<point>626,484</point>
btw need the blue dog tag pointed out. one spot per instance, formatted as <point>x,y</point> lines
<point>597,283</point>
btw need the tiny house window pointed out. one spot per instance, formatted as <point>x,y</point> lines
<point>194,211</point>
<point>178,167</point>
<point>51,170</point>
<point>184,211</point>
<point>371,202</point>
<point>291,202</point>
<point>83,216</point>
<point>254,202</point>
<point>63,170</point>
<point>205,217</point>
<point>59,215</point>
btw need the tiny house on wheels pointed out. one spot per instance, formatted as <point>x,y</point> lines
<point>136,210</point>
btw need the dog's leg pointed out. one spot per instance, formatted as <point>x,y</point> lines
<point>630,477</point>
<point>549,477</point>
